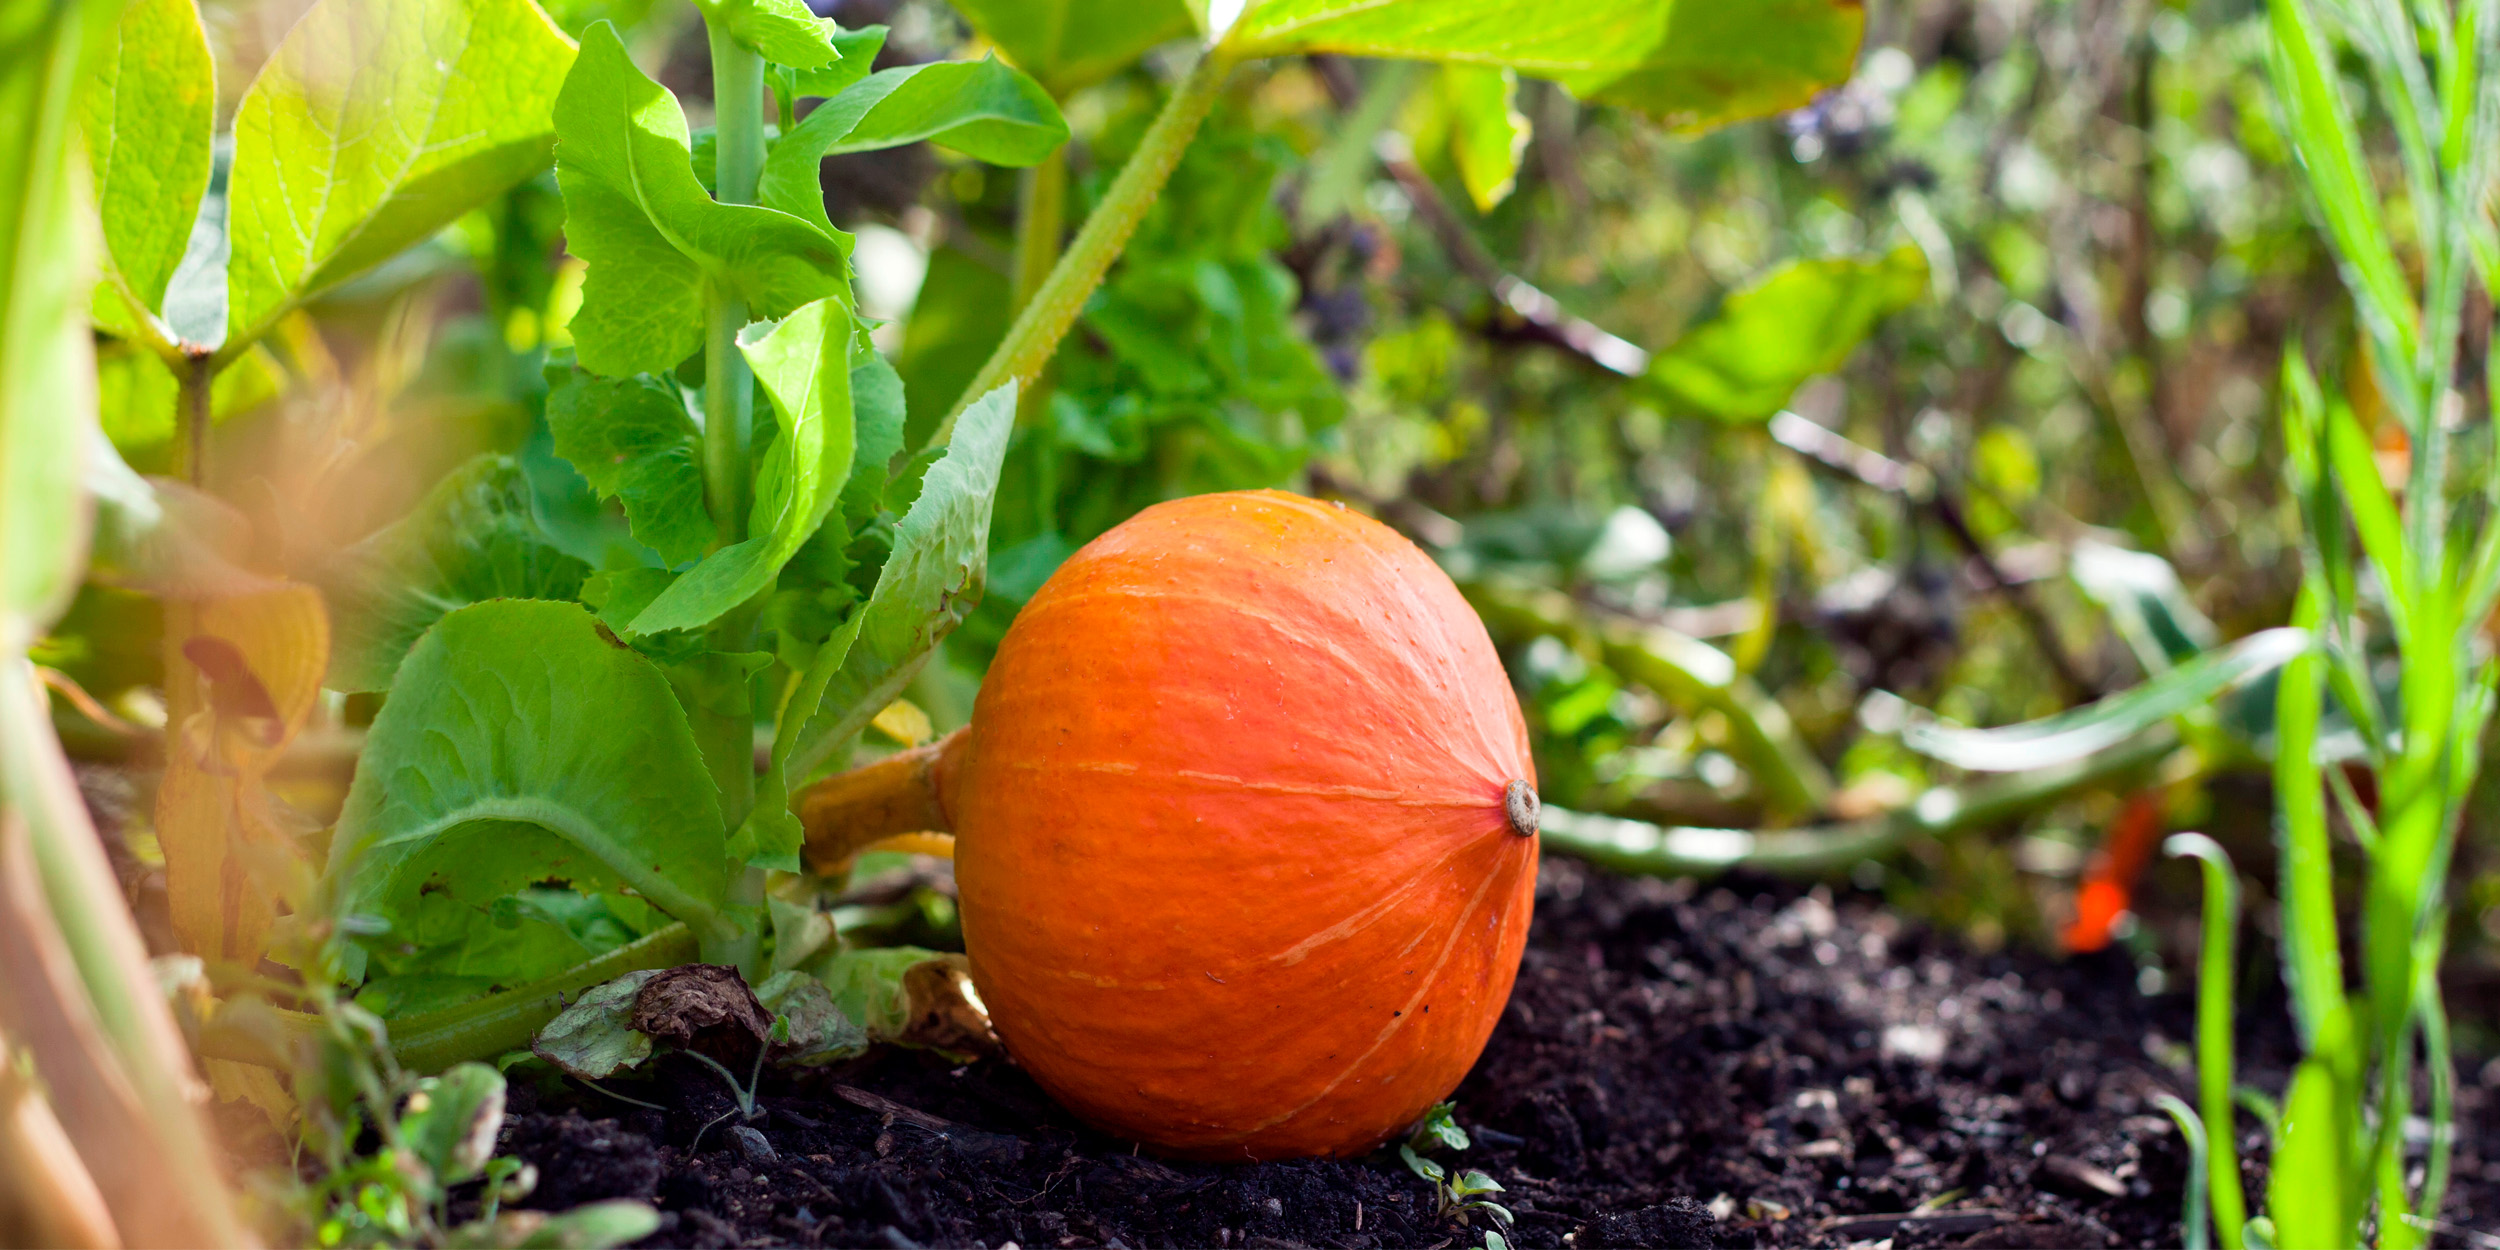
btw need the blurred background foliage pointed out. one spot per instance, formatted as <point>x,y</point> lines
<point>2022,284</point>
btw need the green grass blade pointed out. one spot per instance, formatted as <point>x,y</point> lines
<point>2351,462</point>
<point>2312,963</point>
<point>2194,1233</point>
<point>2322,132</point>
<point>2213,1030</point>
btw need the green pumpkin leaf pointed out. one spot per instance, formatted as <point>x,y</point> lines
<point>820,1031</point>
<point>595,1038</point>
<point>1595,36</point>
<point>983,109</point>
<point>471,540</point>
<point>785,31</point>
<point>652,236</point>
<point>371,127</point>
<point>1712,64</point>
<point>1800,319</point>
<point>2072,735</point>
<point>929,584</point>
<point>859,50</point>
<point>1487,132</point>
<point>1686,64</point>
<point>149,115</point>
<point>633,441</point>
<point>521,743</point>
<point>867,985</point>
<point>877,422</point>
<point>804,365</point>
<point>1070,44</point>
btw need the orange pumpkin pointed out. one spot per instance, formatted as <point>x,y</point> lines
<point>1245,830</point>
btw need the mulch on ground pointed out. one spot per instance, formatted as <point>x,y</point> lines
<point>1682,1064</point>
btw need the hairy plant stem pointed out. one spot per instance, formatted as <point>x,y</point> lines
<point>1035,336</point>
<point>1041,215</point>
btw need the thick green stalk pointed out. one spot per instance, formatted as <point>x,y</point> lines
<point>1639,847</point>
<point>1041,215</point>
<point>725,729</point>
<point>1035,336</point>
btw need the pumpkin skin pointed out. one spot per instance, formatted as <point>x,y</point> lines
<point>1236,873</point>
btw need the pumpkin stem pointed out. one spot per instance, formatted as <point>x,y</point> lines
<point>902,793</point>
<point>1519,803</point>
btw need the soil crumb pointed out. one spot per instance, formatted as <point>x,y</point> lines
<point>1682,1064</point>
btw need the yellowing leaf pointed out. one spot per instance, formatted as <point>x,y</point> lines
<point>903,721</point>
<point>230,854</point>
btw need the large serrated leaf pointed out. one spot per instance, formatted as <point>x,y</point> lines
<point>471,540</point>
<point>1073,43</point>
<point>149,114</point>
<point>1687,64</point>
<point>521,744</point>
<point>1717,63</point>
<point>633,441</point>
<point>656,241</point>
<point>371,127</point>
<point>934,578</point>
<point>2097,726</point>
<point>804,365</point>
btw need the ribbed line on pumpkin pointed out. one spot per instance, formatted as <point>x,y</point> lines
<point>1396,1022</point>
<point>1396,798</point>
<point>1423,731</point>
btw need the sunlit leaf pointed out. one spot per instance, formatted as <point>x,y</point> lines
<point>785,31</point>
<point>47,369</point>
<point>1072,43</point>
<point>804,365</point>
<point>1717,63</point>
<point>655,240</point>
<point>983,109</point>
<point>472,539</point>
<point>1800,319</point>
<point>1487,132</point>
<point>149,115</point>
<point>230,852</point>
<point>519,744</point>
<point>2311,90</point>
<point>859,55</point>
<point>371,127</point>
<point>1686,64</point>
<point>2094,727</point>
<point>633,441</point>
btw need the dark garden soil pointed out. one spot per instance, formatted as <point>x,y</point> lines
<point>1681,1065</point>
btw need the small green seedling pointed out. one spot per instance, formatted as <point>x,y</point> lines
<point>1460,1197</point>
